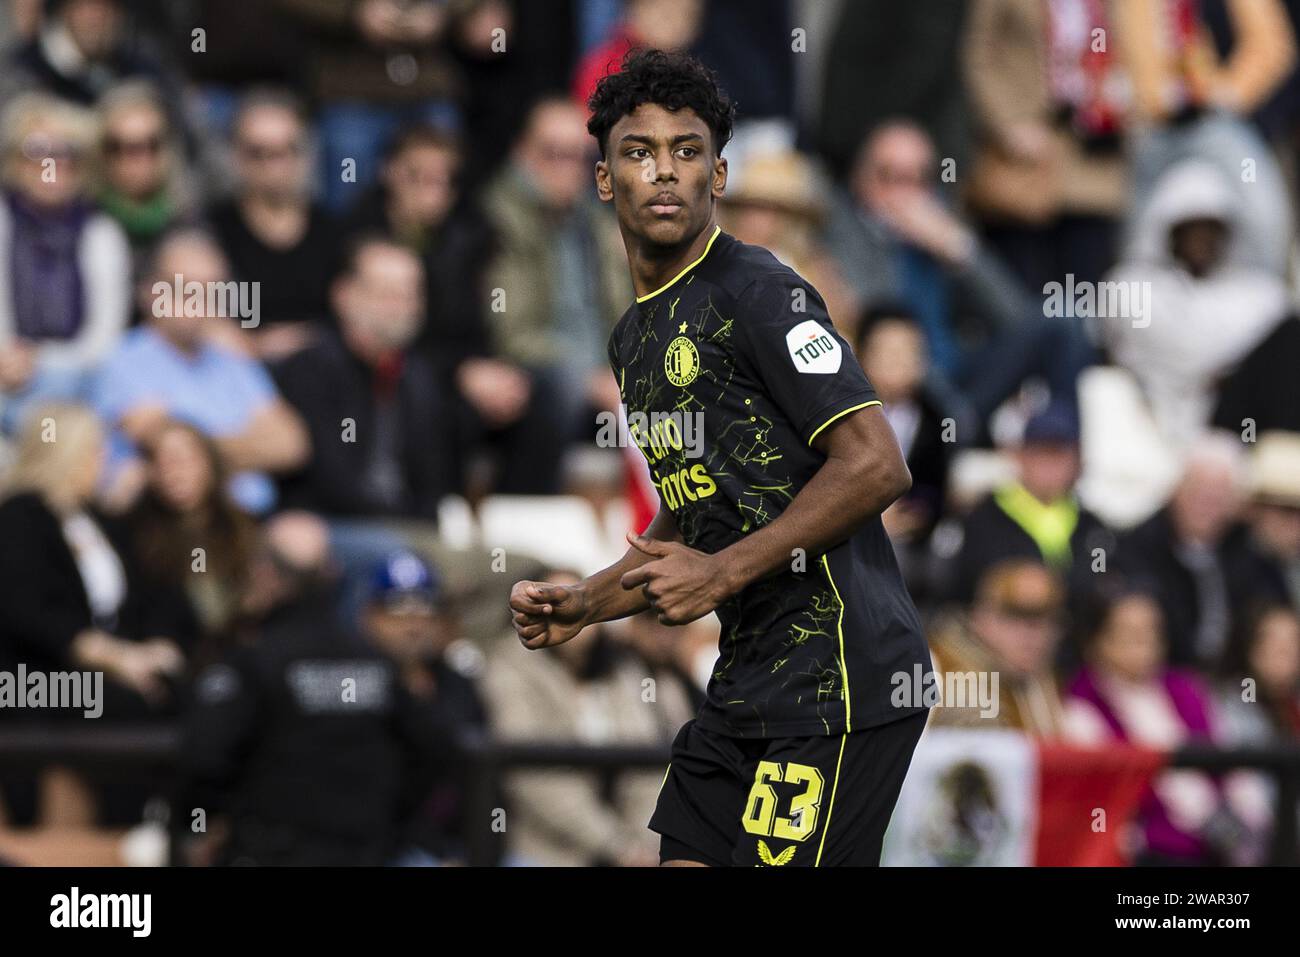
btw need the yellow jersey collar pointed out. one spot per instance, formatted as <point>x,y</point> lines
<point>717,230</point>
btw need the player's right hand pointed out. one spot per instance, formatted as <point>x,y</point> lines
<point>544,614</point>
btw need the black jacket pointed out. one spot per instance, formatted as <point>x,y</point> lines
<point>43,601</point>
<point>309,772</point>
<point>1264,388</point>
<point>327,384</point>
<point>929,460</point>
<point>31,64</point>
<point>1147,553</point>
<point>990,536</point>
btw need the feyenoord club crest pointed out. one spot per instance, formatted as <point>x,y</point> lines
<point>681,361</point>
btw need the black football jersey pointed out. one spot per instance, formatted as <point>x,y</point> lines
<point>728,373</point>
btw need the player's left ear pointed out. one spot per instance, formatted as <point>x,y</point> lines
<point>604,182</point>
<point>719,185</point>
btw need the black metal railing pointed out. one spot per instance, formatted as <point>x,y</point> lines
<point>152,751</point>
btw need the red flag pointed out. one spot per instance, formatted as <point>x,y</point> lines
<point>1074,784</point>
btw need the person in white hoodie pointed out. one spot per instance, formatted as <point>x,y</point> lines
<point>1209,303</point>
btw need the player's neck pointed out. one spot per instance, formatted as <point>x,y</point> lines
<point>655,266</point>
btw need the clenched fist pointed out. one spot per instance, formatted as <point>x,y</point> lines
<point>545,614</point>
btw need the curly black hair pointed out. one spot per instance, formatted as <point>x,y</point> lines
<point>670,80</point>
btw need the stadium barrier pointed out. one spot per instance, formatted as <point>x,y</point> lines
<point>151,751</point>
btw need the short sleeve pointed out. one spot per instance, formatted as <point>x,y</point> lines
<point>787,341</point>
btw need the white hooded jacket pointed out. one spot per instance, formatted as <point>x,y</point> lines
<point>1198,329</point>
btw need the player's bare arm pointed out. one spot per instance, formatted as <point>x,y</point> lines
<point>545,614</point>
<point>863,474</point>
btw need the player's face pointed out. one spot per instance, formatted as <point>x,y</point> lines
<point>661,174</point>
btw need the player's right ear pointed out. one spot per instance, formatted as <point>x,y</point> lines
<point>604,182</point>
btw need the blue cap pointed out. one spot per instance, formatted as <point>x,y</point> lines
<point>402,576</point>
<point>1058,424</point>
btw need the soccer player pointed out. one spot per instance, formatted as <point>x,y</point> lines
<point>770,508</point>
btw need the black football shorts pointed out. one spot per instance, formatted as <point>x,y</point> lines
<point>799,802</point>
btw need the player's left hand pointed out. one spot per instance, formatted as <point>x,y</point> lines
<point>680,583</point>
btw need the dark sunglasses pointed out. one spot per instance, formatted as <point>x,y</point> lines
<point>260,153</point>
<point>114,146</point>
<point>1029,614</point>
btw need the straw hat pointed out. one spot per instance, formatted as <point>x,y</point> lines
<point>785,181</point>
<point>1275,469</point>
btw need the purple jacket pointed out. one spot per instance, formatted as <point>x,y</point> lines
<point>1191,703</point>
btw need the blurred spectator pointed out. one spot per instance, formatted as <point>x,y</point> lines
<point>502,78</point>
<point>245,45</point>
<point>891,348</point>
<point>1258,700</point>
<point>1038,516</point>
<point>143,183</point>
<point>670,25</point>
<point>75,599</point>
<point>672,655</point>
<point>185,510</point>
<point>407,617</point>
<point>382,441</point>
<point>1126,693</point>
<point>1191,102</point>
<point>895,239</point>
<point>82,49</point>
<point>420,205</point>
<point>1010,636</point>
<point>779,204</point>
<point>1263,391</point>
<point>586,691</point>
<point>271,231</point>
<point>374,65</point>
<point>1049,177</point>
<point>559,282</point>
<point>1273,512</point>
<point>890,59</point>
<point>1186,252</point>
<point>1260,697</point>
<point>1203,568</point>
<point>71,585</point>
<point>21,19</point>
<point>751,45</point>
<point>309,709</point>
<point>1260,693</point>
<point>178,366</point>
<point>64,267</point>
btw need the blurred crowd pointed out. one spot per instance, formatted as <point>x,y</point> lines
<point>296,295</point>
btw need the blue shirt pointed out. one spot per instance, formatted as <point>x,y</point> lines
<point>215,390</point>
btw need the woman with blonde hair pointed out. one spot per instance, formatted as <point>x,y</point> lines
<point>69,589</point>
<point>65,285</point>
<point>65,580</point>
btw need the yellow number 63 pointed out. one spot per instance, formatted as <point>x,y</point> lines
<point>760,810</point>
